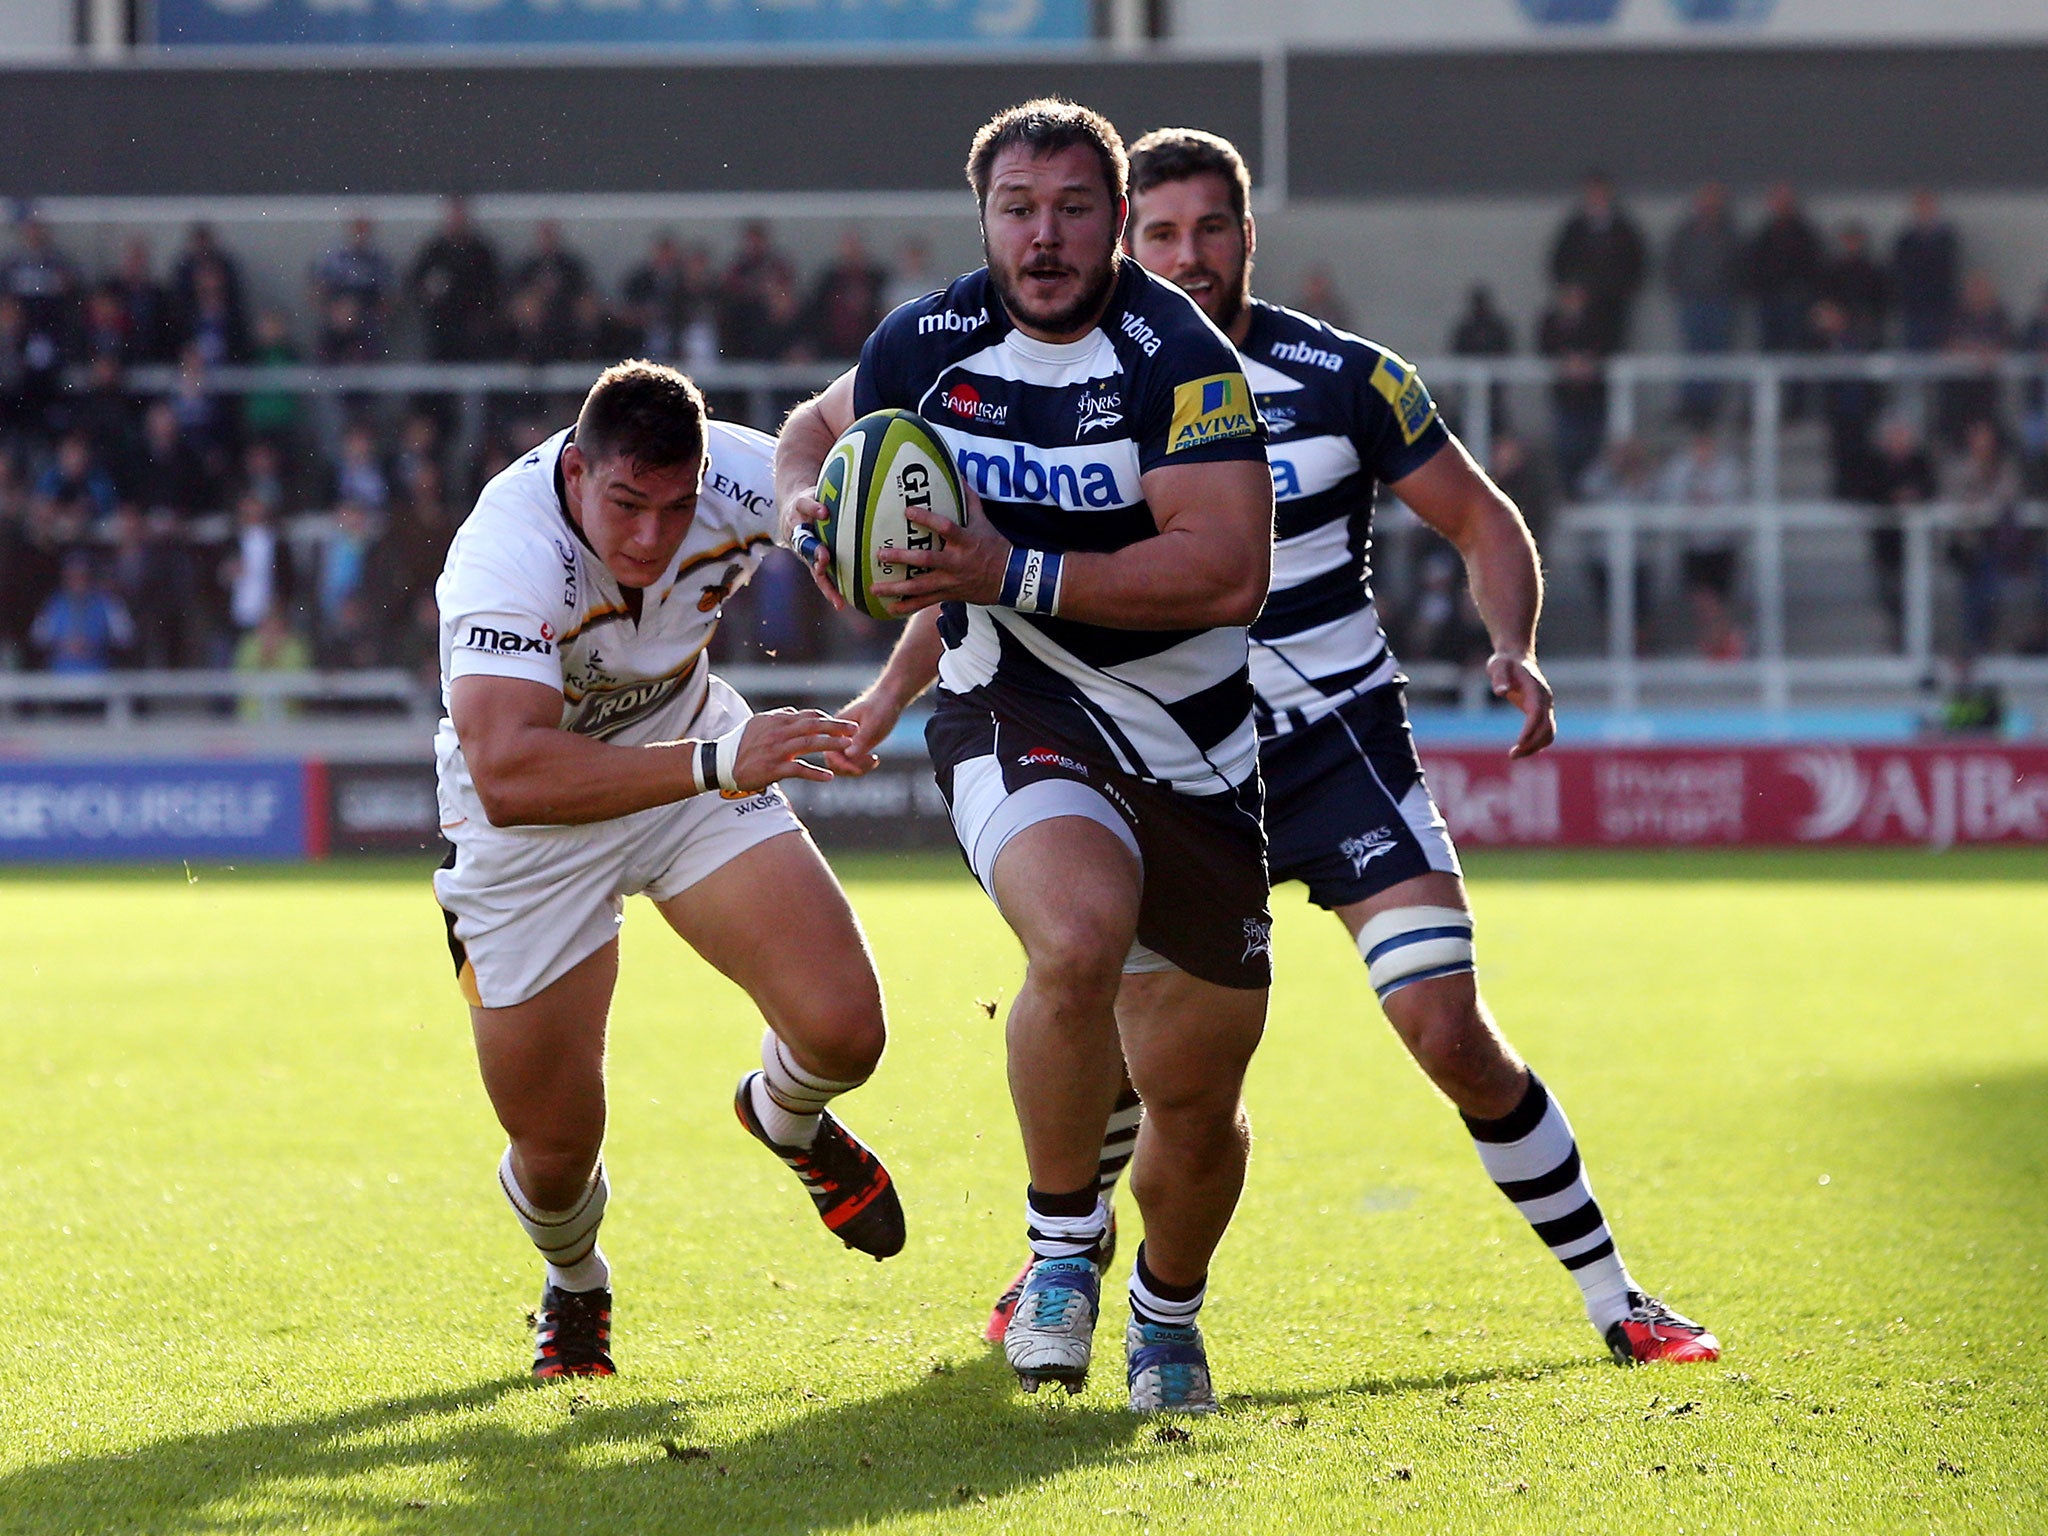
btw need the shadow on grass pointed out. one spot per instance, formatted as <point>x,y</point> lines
<point>957,1437</point>
<point>1414,1383</point>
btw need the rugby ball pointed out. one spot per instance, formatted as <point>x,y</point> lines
<point>884,465</point>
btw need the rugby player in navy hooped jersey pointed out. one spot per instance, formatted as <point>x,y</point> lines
<point>1093,733</point>
<point>588,754</point>
<point>1347,811</point>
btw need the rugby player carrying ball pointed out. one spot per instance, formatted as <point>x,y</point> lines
<point>1093,734</point>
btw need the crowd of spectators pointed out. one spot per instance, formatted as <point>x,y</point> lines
<point>166,529</point>
<point>1784,286</point>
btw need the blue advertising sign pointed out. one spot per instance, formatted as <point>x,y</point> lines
<point>67,812</point>
<point>785,23</point>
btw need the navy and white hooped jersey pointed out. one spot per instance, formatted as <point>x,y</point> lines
<point>1054,439</point>
<point>1344,414</point>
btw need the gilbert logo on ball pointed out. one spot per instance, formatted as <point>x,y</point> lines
<point>885,465</point>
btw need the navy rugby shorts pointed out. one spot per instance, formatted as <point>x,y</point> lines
<point>1203,857</point>
<point>1347,810</point>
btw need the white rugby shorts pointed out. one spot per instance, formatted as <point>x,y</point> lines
<point>526,904</point>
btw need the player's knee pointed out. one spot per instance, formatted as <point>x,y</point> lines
<point>847,1036</point>
<point>1408,945</point>
<point>1077,957</point>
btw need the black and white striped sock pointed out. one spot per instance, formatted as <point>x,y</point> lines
<point>1119,1141</point>
<point>788,1099</point>
<point>1531,1154</point>
<point>567,1240</point>
<point>1065,1225</point>
<point>1154,1301</point>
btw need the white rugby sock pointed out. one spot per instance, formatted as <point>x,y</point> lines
<point>1531,1154</point>
<point>1065,1225</point>
<point>787,1099</point>
<point>567,1240</point>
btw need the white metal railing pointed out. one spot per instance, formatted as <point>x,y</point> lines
<point>1617,530</point>
<point>1763,380</point>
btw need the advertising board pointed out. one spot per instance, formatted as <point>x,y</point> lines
<point>63,812</point>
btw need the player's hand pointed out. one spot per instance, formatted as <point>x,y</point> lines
<point>803,511</point>
<point>1521,682</point>
<point>775,742</point>
<point>969,569</point>
<point>874,715</point>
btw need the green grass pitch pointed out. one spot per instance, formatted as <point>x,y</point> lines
<point>259,1277</point>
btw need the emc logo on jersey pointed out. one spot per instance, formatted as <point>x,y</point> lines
<point>1211,410</point>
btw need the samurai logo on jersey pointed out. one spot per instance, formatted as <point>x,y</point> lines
<point>1404,391</point>
<point>1211,410</point>
<point>965,401</point>
<point>507,642</point>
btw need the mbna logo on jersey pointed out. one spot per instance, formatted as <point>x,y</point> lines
<point>1403,389</point>
<point>1211,410</point>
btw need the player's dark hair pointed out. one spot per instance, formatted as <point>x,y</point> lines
<point>1045,127</point>
<point>646,413</point>
<point>1180,154</point>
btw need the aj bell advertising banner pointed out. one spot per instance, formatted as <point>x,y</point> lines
<point>789,23</point>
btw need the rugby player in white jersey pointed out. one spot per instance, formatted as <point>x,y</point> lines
<point>588,754</point>
<point>1093,732</point>
<point>1347,809</point>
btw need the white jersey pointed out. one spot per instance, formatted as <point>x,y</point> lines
<point>523,595</point>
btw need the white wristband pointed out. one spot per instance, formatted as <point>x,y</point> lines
<point>712,764</point>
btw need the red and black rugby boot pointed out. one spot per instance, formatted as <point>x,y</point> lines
<point>855,1197</point>
<point>573,1334</point>
<point>1652,1331</point>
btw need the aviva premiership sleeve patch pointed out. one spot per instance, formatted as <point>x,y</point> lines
<point>1395,379</point>
<point>1211,410</point>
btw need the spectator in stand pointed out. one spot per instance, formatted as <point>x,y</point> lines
<point>1926,269</point>
<point>107,415</point>
<point>1483,331</point>
<point>1703,268</point>
<point>257,573</point>
<point>916,273</point>
<point>359,473</point>
<point>1443,624</point>
<point>345,635</point>
<point>2033,339</point>
<point>747,292</point>
<point>266,477</point>
<point>1706,477</point>
<point>1524,478</point>
<point>82,628</point>
<point>31,372</point>
<point>1600,250</point>
<point>1321,297</point>
<point>1579,343</point>
<point>211,323</point>
<point>847,303</point>
<point>273,415</point>
<point>1980,333</point>
<point>419,446</point>
<point>786,335</point>
<point>138,576</point>
<point>352,287</point>
<point>31,560</point>
<point>207,420</point>
<point>1898,478</point>
<point>454,281</point>
<point>1784,271</point>
<point>545,287</point>
<point>78,484</point>
<point>103,327</point>
<point>43,278</point>
<point>269,645</point>
<point>1990,550</point>
<point>166,475</point>
<point>408,558</point>
<point>666,296</point>
<point>1852,280</point>
<point>151,321</point>
<point>1848,405</point>
<point>207,300</point>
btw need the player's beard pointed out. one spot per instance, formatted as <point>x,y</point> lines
<point>1069,317</point>
<point>1229,292</point>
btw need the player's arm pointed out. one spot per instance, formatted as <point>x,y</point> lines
<point>1210,564</point>
<point>1454,496</point>
<point>529,772</point>
<point>800,449</point>
<point>913,666</point>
